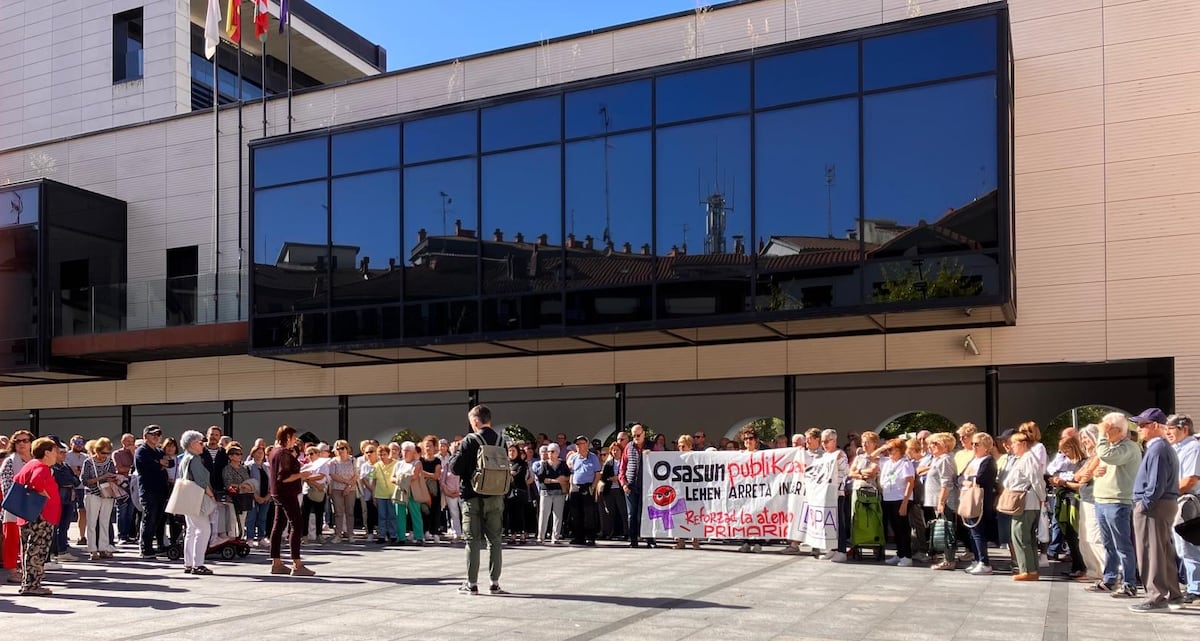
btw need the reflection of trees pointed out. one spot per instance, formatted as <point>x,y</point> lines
<point>406,434</point>
<point>778,300</point>
<point>914,422</point>
<point>909,282</point>
<point>1083,416</point>
<point>517,433</point>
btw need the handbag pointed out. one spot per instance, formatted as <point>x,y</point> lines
<point>941,535</point>
<point>1011,502</point>
<point>107,489</point>
<point>24,503</point>
<point>187,498</point>
<point>970,504</point>
<point>420,492</point>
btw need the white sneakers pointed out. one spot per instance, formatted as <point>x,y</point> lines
<point>744,548</point>
<point>900,561</point>
<point>838,557</point>
<point>980,570</point>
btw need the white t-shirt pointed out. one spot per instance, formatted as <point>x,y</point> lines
<point>893,477</point>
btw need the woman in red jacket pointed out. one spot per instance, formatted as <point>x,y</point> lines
<point>36,535</point>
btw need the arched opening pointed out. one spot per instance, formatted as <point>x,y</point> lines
<point>766,427</point>
<point>1077,417</point>
<point>914,421</point>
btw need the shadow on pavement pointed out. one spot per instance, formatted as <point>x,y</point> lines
<point>106,601</point>
<point>27,606</point>
<point>657,603</point>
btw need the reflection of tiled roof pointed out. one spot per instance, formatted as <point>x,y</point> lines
<point>808,260</point>
<point>971,227</point>
<point>805,243</point>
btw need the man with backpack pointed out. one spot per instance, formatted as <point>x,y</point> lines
<point>482,464</point>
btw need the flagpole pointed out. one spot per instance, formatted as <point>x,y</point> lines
<point>289,72</point>
<point>216,170</point>
<point>241,105</point>
<point>264,86</point>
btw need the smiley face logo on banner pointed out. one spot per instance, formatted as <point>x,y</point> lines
<point>663,496</point>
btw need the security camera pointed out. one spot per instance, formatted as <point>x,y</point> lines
<point>969,345</point>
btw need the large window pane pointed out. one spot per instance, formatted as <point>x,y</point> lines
<point>291,248</point>
<point>19,206</point>
<point>608,211</point>
<point>440,137</point>
<point>373,148</point>
<point>806,75</point>
<point>436,318</point>
<point>930,151</point>
<point>608,109</point>
<point>291,162</point>
<point>366,259</point>
<point>704,92</point>
<point>928,54</point>
<point>517,124</point>
<point>522,221</point>
<point>522,313</point>
<point>441,244</point>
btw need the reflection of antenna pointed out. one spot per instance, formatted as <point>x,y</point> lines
<point>830,179</point>
<point>685,231</point>
<point>446,200</point>
<point>607,203</point>
<point>17,204</point>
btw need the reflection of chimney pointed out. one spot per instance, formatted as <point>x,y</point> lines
<point>363,264</point>
<point>683,249</point>
<point>587,241</point>
<point>761,245</point>
<point>519,238</point>
<point>543,240</point>
<point>739,247</point>
<point>458,228</point>
<point>421,234</point>
<point>646,249</point>
<point>674,250</point>
<point>499,235</point>
<point>391,264</point>
<point>628,248</point>
<point>571,241</point>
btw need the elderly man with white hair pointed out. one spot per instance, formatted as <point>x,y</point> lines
<point>553,477</point>
<point>1113,492</point>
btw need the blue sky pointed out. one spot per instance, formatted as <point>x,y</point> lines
<point>416,32</point>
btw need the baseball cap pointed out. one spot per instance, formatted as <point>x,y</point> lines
<point>1150,415</point>
<point>1180,420</point>
<point>57,441</point>
<point>583,438</point>
<point>324,447</point>
<point>151,429</point>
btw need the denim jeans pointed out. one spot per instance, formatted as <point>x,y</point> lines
<point>125,515</point>
<point>1116,530</point>
<point>1189,557</point>
<point>256,521</point>
<point>62,531</point>
<point>387,520</point>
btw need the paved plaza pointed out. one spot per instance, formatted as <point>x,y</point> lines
<point>568,594</point>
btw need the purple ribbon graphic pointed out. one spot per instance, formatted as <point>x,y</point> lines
<point>664,515</point>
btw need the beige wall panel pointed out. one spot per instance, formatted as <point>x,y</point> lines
<point>181,389</point>
<point>314,381</point>
<point>368,379</point>
<point>500,74</point>
<point>438,375</point>
<point>142,391</point>
<point>1153,257</point>
<point>1150,58</point>
<point>836,354</point>
<point>1152,97</point>
<point>1023,10</point>
<point>1159,336</point>
<point>1166,136</point>
<point>670,364</point>
<point>194,367</point>
<point>577,59</point>
<point>11,399</point>
<point>918,350</point>
<point>1129,299</point>
<point>430,87</point>
<point>148,369</point>
<point>92,394</point>
<point>902,9</point>
<point>243,364</point>
<point>741,360</point>
<point>1042,228</point>
<point>1057,33</point>
<point>1056,304</point>
<point>807,19</point>
<point>1152,177</point>
<point>497,373</point>
<point>103,145</point>
<point>1059,110</point>
<point>1187,384</point>
<point>365,100</point>
<point>45,396</point>
<point>736,29</point>
<point>576,369</point>
<point>1150,19</point>
<point>1153,217</point>
<point>1059,149</point>
<point>1060,188</point>
<point>1081,341</point>
<point>1058,72</point>
<point>246,385</point>
<point>1068,264</point>
<point>655,43</point>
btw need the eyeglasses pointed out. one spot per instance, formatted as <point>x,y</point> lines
<point>342,447</point>
<point>105,452</point>
<point>749,438</point>
<point>22,440</point>
<point>368,451</point>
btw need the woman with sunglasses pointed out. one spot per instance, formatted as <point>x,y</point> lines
<point>37,535</point>
<point>18,456</point>
<point>981,472</point>
<point>343,479</point>
<point>98,471</point>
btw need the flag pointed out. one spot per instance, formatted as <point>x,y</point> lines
<point>212,29</point>
<point>233,24</point>
<point>283,14</point>
<point>262,20</point>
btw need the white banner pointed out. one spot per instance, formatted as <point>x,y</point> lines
<point>772,494</point>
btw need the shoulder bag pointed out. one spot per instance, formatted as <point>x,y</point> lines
<point>24,503</point>
<point>187,497</point>
<point>970,503</point>
<point>1011,502</point>
<point>107,489</point>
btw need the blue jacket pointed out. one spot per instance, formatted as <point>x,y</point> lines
<point>1158,476</point>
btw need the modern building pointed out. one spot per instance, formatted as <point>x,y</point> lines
<point>828,213</point>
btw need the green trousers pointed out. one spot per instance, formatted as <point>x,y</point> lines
<point>483,517</point>
<point>1025,542</point>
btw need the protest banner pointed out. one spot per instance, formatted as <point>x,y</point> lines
<point>771,494</point>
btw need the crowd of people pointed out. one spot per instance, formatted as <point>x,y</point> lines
<point>1101,506</point>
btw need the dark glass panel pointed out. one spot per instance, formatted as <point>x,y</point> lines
<point>522,221</point>
<point>522,313</point>
<point>19,206</point>
<point>366,324</point>
<point>291,162</point>
<point>373,148</point>
<point>291,248</point>
<point>291,330</point>
<point>440,209</point>
<point>806,75</point>
<point>930,156</point>
<point>516,124</point>
<point>704,92</point>
<point>18,294</point>
<point>915,279</point>
<point>441,318</point>
<point>806,206</point>
<point>608,212</point>
<point>366,263</point>
<point>608,109</point>
<point>928,54</point>
<point>440,137</point>
<point>704,187</point>
<point>609,306</point>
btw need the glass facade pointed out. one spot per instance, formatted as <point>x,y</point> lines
<point>854,176</point>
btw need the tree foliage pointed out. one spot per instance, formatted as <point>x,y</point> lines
<point>406,434</point>
<point>516,432</point>
<point>914,422</point>
<point>1084,415</point>
<point>909,282</point>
